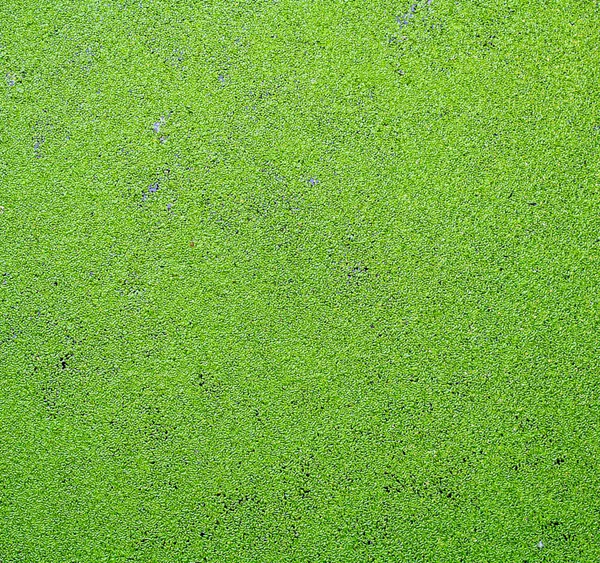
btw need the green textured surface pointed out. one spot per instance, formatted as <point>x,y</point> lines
<point>295,281</point>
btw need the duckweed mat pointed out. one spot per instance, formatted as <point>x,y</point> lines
<point>299,281</point>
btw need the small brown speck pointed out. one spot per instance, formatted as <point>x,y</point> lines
<point>192,243</point>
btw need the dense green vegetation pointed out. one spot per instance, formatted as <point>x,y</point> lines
<point>299,281</point>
